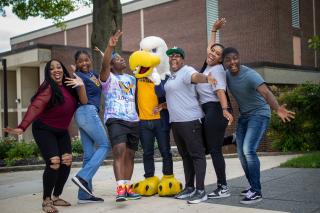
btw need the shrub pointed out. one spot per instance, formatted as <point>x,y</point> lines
<point>302,133</point>
<point>76,145</point>
<point>22,150</point>
<point>5,145</point>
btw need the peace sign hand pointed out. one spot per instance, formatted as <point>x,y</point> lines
<point>113,40</point>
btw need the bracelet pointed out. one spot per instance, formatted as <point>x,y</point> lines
<point>214,31</point>
<point>225,108</point>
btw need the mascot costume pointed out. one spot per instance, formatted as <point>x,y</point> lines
<point>151,67</point>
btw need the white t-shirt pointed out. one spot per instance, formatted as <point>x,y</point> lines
<point>181,96</point>
<point>206,91</point>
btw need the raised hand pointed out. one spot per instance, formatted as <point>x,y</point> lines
<point>220,22</point>
<point>98,50</point>
<point>114,39</point>
<point>13,131</point>
<point>73,68</point>
<point>74,82</point>
<point>285,114</point>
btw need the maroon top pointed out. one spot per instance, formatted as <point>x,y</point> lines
<point>58,116</point>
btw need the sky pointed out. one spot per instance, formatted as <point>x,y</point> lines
<point>11,25</point>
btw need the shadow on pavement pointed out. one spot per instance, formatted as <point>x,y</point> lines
<point>283,189</point>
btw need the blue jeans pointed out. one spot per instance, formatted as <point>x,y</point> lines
<point>94,141</point>
<point>149,130</point>
<point>249,133</point>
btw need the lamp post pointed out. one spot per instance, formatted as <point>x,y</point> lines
<point>5,95</point>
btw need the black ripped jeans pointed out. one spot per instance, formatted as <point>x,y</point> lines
<point>52,142</point>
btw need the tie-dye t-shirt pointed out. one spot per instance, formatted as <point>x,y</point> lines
<point>119,95</point>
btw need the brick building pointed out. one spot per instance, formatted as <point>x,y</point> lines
<point>271,36</point>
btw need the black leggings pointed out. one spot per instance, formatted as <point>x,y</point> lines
<point>214,126</point>
<point>52,142</point>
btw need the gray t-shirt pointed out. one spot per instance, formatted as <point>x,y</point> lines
<point>206,91</point>
<point>243,87</point>
<point>181,96</point>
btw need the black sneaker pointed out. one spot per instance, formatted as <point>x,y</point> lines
<point>92,199</point>
<point>244,192</point>
<point>220,192</point>
<point>82,184</point>
<point>198,197</point>
<point>251,197</point>
<point>185,193</point>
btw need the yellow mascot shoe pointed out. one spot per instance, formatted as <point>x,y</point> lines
<point>147,187</point>
<point>169,186</point>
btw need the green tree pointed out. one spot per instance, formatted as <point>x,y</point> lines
<point>314,42</point>
<point>106,17</point>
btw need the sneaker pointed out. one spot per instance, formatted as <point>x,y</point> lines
<point>251,197</point>
<point>199,196</point>
<point>130,195</point>
<point>92,199</point>
<point>185,193</point>
<point>244,192</point>
<point>121,193</point>
<point>220,192</point>
<point>82,184</point>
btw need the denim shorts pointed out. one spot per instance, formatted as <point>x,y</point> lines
<point>121,131</point>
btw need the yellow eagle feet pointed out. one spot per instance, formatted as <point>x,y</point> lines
<point>167,186</point>
<point>147,187</point>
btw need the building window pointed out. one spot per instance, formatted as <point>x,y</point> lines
<point>295,13</point>
<point>296,50</point>
<point>212,15</point>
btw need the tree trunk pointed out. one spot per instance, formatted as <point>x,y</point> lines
<point>106,19</point>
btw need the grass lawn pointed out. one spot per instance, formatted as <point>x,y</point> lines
<point>309,160</point>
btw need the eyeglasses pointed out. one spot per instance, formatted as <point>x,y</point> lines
<point>175,56</point>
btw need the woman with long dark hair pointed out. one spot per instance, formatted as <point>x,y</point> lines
<point>50,112</point>
<point>217,116</point>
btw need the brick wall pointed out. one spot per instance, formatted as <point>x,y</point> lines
<point>180,23</point>
<point>77,36</point>
<point>306,30</point>
<point>254,29</point>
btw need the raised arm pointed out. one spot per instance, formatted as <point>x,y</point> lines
<point>282,112</point>
<point>217,25</point>
<point>36,107</point>
<point>105,69</point>
<point>99,51</point>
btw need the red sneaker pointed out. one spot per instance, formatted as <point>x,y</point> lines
<point>130,193</point>
<point>121,193</point>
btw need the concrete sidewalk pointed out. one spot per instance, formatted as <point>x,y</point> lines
<point>284,190</point>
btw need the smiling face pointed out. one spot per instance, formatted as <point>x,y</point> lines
<point>83,62</point>
<point>232,63</point>
<point>118,64</point>
<point>214,56</point>
<point>176,62</point>
<point>56,72</point>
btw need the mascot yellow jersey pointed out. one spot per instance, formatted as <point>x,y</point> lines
<point>146,99</point>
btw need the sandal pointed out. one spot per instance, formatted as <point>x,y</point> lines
<point>60,202</point>
<point>48,207</point>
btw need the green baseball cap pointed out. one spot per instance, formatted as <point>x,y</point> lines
<point>176,50</point>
